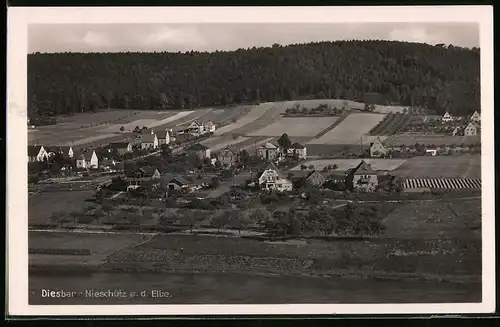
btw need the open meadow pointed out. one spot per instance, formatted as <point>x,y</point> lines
<point>435,140</point>
<point>301,127</point>
<point>351,130</point>
<point>466,166</point>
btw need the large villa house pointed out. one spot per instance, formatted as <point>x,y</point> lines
<point>272,180</point>
<point>37,153</point>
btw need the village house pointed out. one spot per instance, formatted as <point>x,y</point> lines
<point>37,153</point>
<point>120,147</point>
<point>297,150</point>
<point>149,141</point>
<point>269,151</point>
<point>447,117</point>
<point>301,178</point>
<point>377,148</point>
<point>163,137</point>
<point>362,178</point>
<point>472,129</point>
<point>142,175</point>
<point>65,151</point>
<point>271,179</point>
<point>209,127</point>
<point>87,160</point>
<point>228,156</point>
<point>198,150</point>
<point>476,117</point>
<point>178,182</point>
<point>195,128</point>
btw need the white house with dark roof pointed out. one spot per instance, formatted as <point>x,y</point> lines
<point>362,177</point>
<point>209,127</point>
<point>271,179</point>
<point>476,117</point>
<point>447,117</point>
<point>298,150</point>
<point>120,147</point>
<point>269,151</point>
<point>163,137</point>
<point>88,159</point>
<point>37,153</point>
<point>377,148</point>
<point>149,141</point>
<point>66,151</point>
<point>473,129</point>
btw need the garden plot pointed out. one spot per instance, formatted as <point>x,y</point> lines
<point>345,164</point>
<point>390,109</point>
<point>351,130</point>
<point>300,127</point>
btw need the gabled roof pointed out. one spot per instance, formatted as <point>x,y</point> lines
<point>58,149</point>
<point>376,140</point>
<point>297,146</point>
<point>209,123</point>
<point>86,155</point>
<point>34,150</point>
<point>230,149</point>
<point>148,171</point>
<point>364,169</point>
<point>148,138</point>
<point>273,167</point>
<point>182,180</point>
<point>268,145</point>
<point>119,145</point>
<point>162,134</point>
<point>197,147</point>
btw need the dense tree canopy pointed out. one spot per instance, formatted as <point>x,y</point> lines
<point>436,77</point>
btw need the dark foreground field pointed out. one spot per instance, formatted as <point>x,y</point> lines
<point>244,289</point>
<point>430,252</point>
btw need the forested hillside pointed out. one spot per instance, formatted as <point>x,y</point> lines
<point>437,77</point>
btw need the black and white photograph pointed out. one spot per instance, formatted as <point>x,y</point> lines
<point>334,164</point>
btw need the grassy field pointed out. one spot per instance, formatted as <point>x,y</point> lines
<point>351,130</point>
<point>42,205</point>
<point>467,166</point>
<point>345,164</point>
<point>306,127</point>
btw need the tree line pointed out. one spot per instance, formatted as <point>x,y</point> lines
<point>414,74</point>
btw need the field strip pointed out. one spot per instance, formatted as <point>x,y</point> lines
<point>332,126</point>
<point>256,143</point>
<point>296,127</point>
<point>254,114</point>
<point>167,120</point>
<point>231,142</point>
<point>193,119</point>
<point>352,129</point>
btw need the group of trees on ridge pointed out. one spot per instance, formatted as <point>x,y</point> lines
<point>436,77</point>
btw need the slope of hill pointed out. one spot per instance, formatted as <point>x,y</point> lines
<point>438,78</point>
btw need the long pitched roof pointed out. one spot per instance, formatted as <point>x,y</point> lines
<point>119,145</point>
<point>34,150</point>
<point>162,134</point>
<point>364,169</point>
<point>197,147</point>
<point>148,138</point>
